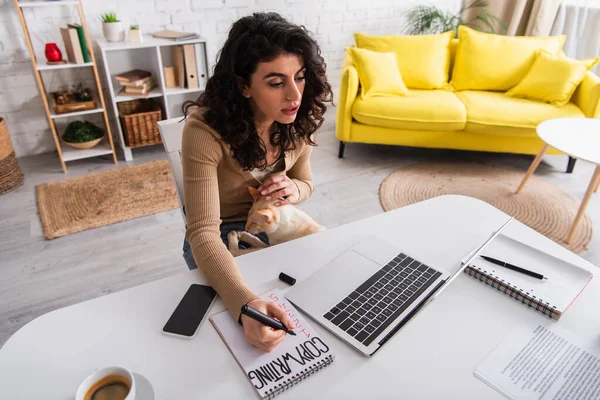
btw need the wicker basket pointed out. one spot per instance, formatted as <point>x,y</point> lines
<point>10,173</point>
<point>139,118</point>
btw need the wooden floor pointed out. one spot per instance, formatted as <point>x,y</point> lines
<point>38,276</point>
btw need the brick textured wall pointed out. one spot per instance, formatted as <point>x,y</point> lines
<point>332,22</point>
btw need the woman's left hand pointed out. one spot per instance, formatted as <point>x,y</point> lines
<point>280,187</point>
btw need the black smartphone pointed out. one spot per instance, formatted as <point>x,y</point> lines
<point>191,311</point>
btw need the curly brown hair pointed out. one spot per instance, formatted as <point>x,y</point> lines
<point>262,37</point>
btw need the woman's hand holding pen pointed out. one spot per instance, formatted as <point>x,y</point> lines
<point>260,335</point>
<point>280,186</point>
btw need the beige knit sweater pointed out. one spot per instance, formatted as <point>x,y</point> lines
<point>216,190</point>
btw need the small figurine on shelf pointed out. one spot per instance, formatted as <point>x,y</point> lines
<point>53,54</point>
<point>135,34</point>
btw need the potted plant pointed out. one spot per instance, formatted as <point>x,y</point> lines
<point>112,28</point>
<point>423,20</point>
<point>82,135</point>
<point>135,34</point>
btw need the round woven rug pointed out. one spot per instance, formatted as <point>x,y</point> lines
<point>540,205</point>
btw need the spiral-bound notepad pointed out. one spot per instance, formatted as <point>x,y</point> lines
<point>551,296</point>
<point>292,361</point>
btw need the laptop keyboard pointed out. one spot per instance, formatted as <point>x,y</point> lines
<point>374,305</point>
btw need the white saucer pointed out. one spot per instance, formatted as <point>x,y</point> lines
<point>143,388</point>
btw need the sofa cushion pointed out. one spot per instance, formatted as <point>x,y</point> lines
<point>378,73</point>
<point>423,60</point>
<point>485,61</point>
<point>496,113</point>
<point>552,79</point>
<point>428,110</point>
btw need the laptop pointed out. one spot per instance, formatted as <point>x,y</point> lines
<point>371,290</point>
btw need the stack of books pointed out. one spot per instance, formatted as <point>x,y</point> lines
<point>73,38</point>
<point>136,82</point>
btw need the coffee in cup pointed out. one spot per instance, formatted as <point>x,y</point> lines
<point>111,383</point>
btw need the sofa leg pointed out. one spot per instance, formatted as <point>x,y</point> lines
<point>341,152</point>
<point>571,165</point>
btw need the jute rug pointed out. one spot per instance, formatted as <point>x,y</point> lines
<point>103,198</point>
<point>540,205</point>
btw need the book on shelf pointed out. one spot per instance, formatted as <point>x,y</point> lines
<point>292,361</point>
<point>144,89</point>
<point>72,47</point>
<point>124,92</point>
<point>552,296</point>
<point>133,76</point>
<point>175,35</point>
<point>82,42</point>
<point>137,83</point>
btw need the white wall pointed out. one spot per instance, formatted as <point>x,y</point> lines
<point>332,23</point>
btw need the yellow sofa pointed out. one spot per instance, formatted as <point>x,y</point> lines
<point>464,120</point>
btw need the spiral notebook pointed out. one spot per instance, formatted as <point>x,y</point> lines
<point>292,361</point>
<point>551,296</point>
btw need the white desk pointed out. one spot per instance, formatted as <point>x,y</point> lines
<point>432,357</point>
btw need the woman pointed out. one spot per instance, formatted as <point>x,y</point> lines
<point>253,124</point>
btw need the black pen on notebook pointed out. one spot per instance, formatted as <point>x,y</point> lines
<point>513,267</point>
<point>265,319</point>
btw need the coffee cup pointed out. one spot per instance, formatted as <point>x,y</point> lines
<point>109,383</point>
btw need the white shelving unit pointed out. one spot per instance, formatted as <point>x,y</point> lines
<point>151,55</point>
<point>66,153</point>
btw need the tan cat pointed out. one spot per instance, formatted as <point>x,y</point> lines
<point>281,224</point>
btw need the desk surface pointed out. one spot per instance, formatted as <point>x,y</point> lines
<point>433,356</point>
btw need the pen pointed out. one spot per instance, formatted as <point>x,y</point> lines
<point>514,267</point>
<point>265,319</point>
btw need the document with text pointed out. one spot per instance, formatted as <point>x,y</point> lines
<point>543,361</point>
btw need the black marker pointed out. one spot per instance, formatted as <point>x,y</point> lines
<point>265,319</point>
<point>287,279</point>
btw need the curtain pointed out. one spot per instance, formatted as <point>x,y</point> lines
<point>580,22</point>
<point>520,17</point>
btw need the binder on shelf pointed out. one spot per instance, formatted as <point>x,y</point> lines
<point>202,72</point>
<point>191,70</point>
<point>82,43</point>
<point>178,66</point>
<point>73,48</point>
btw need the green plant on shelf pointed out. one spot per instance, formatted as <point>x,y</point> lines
<point>134,27</point>
<point>109,17</point>
<point>81,132</point>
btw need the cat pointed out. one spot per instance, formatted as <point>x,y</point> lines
<point>281,224</point>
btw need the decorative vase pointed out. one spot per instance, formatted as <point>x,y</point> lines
<point>53,52</point>
<point>113,31</point>
<point>135,36</point>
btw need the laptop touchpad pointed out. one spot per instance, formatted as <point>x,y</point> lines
<point>376,249</point>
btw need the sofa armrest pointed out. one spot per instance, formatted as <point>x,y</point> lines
<point>348,93</point>
<point>587,95</point>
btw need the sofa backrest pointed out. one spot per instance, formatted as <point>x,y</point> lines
<point>453,46</point>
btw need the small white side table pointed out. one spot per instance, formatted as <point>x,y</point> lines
<point>577,137</point>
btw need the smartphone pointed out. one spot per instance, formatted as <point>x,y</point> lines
<point>191,311</point>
